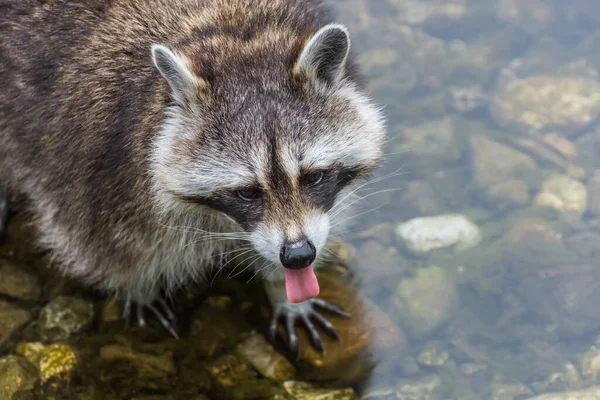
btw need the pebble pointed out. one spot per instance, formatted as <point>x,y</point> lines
<point>18,378</point>
<point>421,389</point>
<point>509,391</point>
<point>306,391</point>
<point>17,283</point>
<point>270,364</point>
<point>562,193</point>
<point>591,393</point>
<point>63,317</point>
<point>58,365</point>
<point>423,234</point>
<point>12,318</point>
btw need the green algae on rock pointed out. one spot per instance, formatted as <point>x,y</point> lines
<point>63,317</point>
<point>58,365</point>
<point>18,378</point>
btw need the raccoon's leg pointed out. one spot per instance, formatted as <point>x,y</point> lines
<point>3,211</point>
<point>304,313</point>
<point>165,315</point>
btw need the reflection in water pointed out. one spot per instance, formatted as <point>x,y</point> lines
<point>476,262</point>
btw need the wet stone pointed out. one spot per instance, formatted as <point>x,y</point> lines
<point>18,378</point>
<point>12,319</point>
<point>142,370</point>
<point>466,99</point>
<point>63,317</point>
<point>511,193</point>
<point>423,389</point>
<point>509,391</point>
<point>270,364</point>
<point>306,391</point>
<point>58,365</point>
<point>494,163</point>
<point>430,142</point>
<point>568,379</point>
<point>425,302</point>
<point>564,194</point>
<point>421,199</point>
<point>584,394</point>
<point>366,337</point>
<point>421,235</point>
<point>30,350</point>
<point>433,356</point>
<point>593,187</point>
<point>17,283</point>
<point>545,103</point>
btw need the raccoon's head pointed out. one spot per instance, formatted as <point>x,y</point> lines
<point>273,137</point>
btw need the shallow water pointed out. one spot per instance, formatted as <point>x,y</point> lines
<point>471,268</point>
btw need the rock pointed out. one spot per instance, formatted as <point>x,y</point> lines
<point>425,302</point>
<point>568,379</point>
<point>585,394</point>
<point>31,351</point>
<point>233,378</point>
<point>590,364</point>
<point>433,356</point>
<point>366,337</point>
<point>143,370</point>
<point>565,297</point>
<point>421,235</point>
<point>58,365</point>
<point>342,251</point>
<point>593,188</point>
<point>506,391</point>
<point>376,263</point>
<point>382,233</point>
<point>63,317</point>
<point>545,103</point>
<point>421,199</point>
<point>564,194</point>
<point>270,364</point>
<point>510,193</point>
<point>385,393</point>
<point>466,99</point>
<point>11,320</point>
<point>18,284</point>
<point>533,16</point>
<point>18,378</point>
<point>306,391</point>
<point>422,389</point>
<point>494,163</point>
<point>431,141</point>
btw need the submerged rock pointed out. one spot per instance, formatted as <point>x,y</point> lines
<point>426,301</point>
<point>510,193</point>
<point>12,319</point>
<point>366,337</point>
<point>306,391</point>
<point>593,187</point>
<point>63,317</point>
<point>585,394</point>
<point>545,103</point>
<point>31,351</point>
<point>493,163</point>
<point>270,364</point>
<point>431,141</point>
<point>18,284</point>
<point>421,235</point>
<point>58,365</point>
<point>509,391</point>
<point>466,99</point>
<point>422,389</point>
<point>564,194</point>
<point>18,378</point>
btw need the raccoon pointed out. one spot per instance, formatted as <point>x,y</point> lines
<point>152,138</point>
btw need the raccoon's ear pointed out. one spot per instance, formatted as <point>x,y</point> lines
<point>173,67</point>
<point>324,56</point>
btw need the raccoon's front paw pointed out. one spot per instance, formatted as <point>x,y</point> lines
<point>305,313</point>
<point>166,316</point>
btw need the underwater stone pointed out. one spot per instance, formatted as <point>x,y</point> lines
<point>593,187</point>
<point>265,359</point>
<point>58,365</point>
<point>421,235</point>
<point>585,394</point>
<point>564,194</point>
<point>306,391</point>
<point>422,389</point>
<point>18,284</point>
<point>12,319</point>
<point>509,391</point>
<point>63,317</point>
<point>30,350</point>
<point>18,378</point>
<point>425,302</point>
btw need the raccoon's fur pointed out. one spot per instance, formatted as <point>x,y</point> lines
<point>134,126</point>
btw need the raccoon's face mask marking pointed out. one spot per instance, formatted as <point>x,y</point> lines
<point>276,156</point>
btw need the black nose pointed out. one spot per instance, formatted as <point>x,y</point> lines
<point>297,255</point>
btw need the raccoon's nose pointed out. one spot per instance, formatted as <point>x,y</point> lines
<point>297,255</point>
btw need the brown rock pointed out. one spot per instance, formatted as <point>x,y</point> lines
<point>367,335</point>
<point>270,364</point>
<point>11,320</point>
<point>17,283</point>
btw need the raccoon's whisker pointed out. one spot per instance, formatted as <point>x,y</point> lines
<point>371,182</point>
<point>258,257</point>
<point>361,199</point>
<point>270,264</point>
<point>356,216</point>
<point>224,265</point>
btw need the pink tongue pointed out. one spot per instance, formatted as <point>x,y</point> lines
<point>301,284</point>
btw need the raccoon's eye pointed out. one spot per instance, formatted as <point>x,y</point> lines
<point>248,194</point>
<point>313,178</point>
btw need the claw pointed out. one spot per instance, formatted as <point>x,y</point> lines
<point>308,314</point>
<point>167,321</point>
